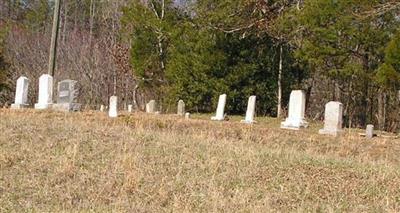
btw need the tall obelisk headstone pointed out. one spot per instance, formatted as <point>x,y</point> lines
<point>251,109</point>
<point>151,107</point>
<point>113,113</point>
<point>21,93</point>
<point>333,119</point>
<point>297,108</point>
<point>220,116</point>
<point>45,100</point>
<point>181,108</point>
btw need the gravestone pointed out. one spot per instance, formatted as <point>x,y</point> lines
<point>187,115</point>
<point>21,93</point>
<point>398,95</point>
<point>45,92</point>
<point>102,108</point>
<point>297,107</point>
<point>67,95</point>
<point>130,108</point>
<point>251,109</point>
<point>151,107</point>
<point>181,108</point>
<point>220,109</point>
<point>333,119</point>
<point>113,113</point>
<point>369,132</point>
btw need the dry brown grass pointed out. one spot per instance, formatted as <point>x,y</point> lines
<point>141,163</point>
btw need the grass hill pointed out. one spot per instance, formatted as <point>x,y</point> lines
<point>86,161</point>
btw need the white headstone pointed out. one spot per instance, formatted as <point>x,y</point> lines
<point>130,108</point>
<point>151,106</point>
<point>369,132</point>
<point>187,115</point>
<point>220,109</point>
<point>113,113</point>
<point>101,108</point>
<point>251,109</point>
<point>398,95</point>
<point>45,92</point>
<point>333,119</point>
<point>181,108</point>
<point>297,108</point>
<point>21,93</point>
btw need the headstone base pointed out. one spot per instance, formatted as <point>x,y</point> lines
<point>67,107</point>
<point>330,132</point>
<point>217,119</point>
<point>43,106</point>
<point>247,122</point>
<point>294,124</point>
<point>19,106</point>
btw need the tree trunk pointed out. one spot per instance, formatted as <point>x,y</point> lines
<point>64,33</point>
<point>54,36</point>
<point>92,11</point>
<point>279,111</point>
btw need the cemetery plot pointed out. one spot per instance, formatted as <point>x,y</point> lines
<point>85,161</point>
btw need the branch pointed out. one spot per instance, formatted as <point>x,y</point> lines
<point>379,10</point>
<point>240,28</point>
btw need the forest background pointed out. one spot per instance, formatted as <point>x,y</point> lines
<point>341,50</point>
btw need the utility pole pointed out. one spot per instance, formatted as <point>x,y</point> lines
<point>54,37</point>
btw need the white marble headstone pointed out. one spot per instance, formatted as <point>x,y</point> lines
<point>369,131</point>
<point>151,106</point>
<point>45,92</point>
<point>130,107</point>
<point>21,93</point>
<point>333,119</point>
<point>113,113</point>
<point>181,108</point>
<point>220,109</point>
<point>102,108</point>
<point>251,109</point>
<point>297,108</point>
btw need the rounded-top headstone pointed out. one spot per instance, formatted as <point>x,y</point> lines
<point>113,113</point>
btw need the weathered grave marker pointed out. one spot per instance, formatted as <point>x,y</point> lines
<point>251,109</point>
<point>67,95</point>
<point>333,119</point>
<point>102,108</point>
<point>130,108</point>
<point>45,92</point>
<point>151,107</point>
<point>181,108</point>
<point>21,93</point>
<point>113,113</point>
<point>220,109</point>
<point>187,115</point>
<point>297,107</point>
<point>369,132</point>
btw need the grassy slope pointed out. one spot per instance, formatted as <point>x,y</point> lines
<point>86,161</point>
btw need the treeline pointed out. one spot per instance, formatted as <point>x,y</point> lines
<point>344,50</point>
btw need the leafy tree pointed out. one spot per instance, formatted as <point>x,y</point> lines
<point>218,52</point>
<point>149,25</point>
